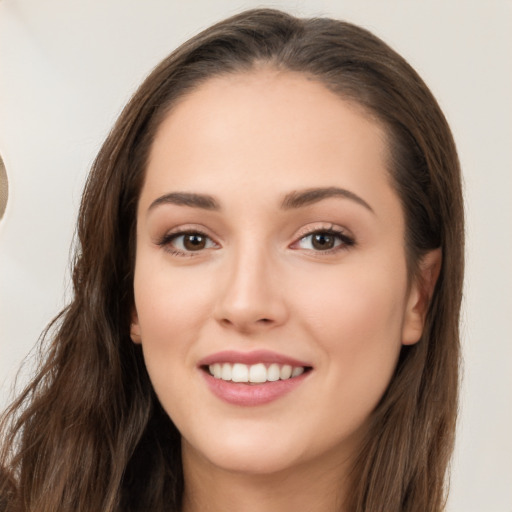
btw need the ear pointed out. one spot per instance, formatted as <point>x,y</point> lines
<point>420,294</point>
<point>135,328</point>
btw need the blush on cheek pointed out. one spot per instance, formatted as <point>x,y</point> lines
<point>362,321</point>
<point>172,299</point>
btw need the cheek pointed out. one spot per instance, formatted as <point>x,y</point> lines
<point>168,302</point>
<point>354,306</point>
<point>356,319</point>
<point>170,307</point>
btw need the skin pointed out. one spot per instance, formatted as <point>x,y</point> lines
<point>250,140</point>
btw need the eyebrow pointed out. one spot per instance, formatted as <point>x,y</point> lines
<point>293,200</point>
<point>203,201</point>
<point>300,198</point>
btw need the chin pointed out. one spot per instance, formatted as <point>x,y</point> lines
<point>247,453</point>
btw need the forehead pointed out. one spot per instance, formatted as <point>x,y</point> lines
<point>270,131</point>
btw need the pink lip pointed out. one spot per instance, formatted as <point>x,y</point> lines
<point>254,357</point>
<point>236,393</point>
<point>245,394</point>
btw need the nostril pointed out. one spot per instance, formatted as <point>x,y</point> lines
<point>244,324</point>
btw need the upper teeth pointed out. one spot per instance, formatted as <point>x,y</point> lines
<point>239,372</point>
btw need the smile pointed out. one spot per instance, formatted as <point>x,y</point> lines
<point>253,378</point>
<point>255,373</point>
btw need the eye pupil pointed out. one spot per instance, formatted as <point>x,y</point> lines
<point>194,242</point>
<point>323,241</point>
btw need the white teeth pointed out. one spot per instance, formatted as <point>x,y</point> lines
<point>240,373</point>
<point>216,370</point>
<point>273,372</point>
<point>298,370</point>
<point>226,372</point>
<point>255,373</point>
<point>286,372</point>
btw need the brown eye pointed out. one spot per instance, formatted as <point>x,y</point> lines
<point>194,242</point>
<point>323,241</point>
<point>187,242</point>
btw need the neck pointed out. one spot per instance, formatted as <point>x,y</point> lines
<point>314,488</point>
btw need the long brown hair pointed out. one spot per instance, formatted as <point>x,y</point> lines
<point>88,433</point>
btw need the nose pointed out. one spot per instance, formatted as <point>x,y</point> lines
<point>252,298</point>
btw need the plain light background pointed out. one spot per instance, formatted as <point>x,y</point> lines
<point>66,69</point>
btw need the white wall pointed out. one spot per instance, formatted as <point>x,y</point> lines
<point>66,69</point>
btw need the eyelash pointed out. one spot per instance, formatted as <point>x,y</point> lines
<point>166,242</point>
<point>345,241</point>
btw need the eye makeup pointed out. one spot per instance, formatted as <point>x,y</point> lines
<point>189,241</point>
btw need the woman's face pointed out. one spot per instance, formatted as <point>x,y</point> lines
<point>270,241</point>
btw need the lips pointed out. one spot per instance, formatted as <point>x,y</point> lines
<point>252,378</point>
<point>254,357</point>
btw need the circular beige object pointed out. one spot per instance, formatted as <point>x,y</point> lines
<point>4,188</point>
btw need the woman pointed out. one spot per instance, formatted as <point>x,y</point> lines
<point>267,290</point>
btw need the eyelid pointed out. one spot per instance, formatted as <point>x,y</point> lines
<point>165,240</point>
<point>322,226</point>
<point>347,239</point>
<point>183,229</point>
